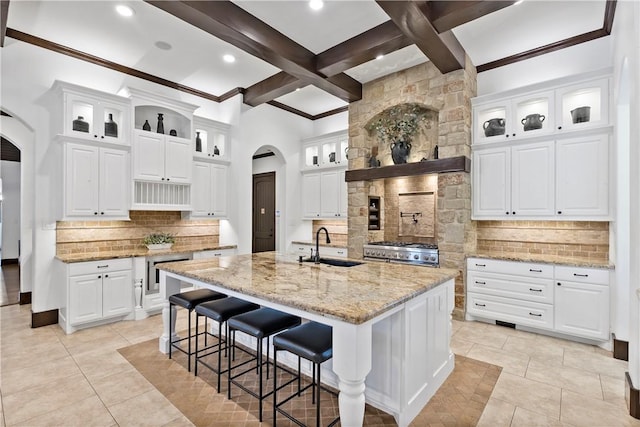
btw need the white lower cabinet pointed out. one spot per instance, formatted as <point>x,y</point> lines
<point>568,300</point>
<point>96,291</point>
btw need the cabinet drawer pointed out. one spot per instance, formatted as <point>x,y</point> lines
<point>511,267</point>
<point>582,275</point>
<point>510,310</point>
<point>529,289</point>
<point>333,252</point>
<point>102,266</point>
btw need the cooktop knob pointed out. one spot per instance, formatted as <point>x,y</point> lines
<point>416,257</point>
<point>432,258</point>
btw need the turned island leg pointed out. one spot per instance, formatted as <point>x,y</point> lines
<point>168,287</point>
<point>352,363</point>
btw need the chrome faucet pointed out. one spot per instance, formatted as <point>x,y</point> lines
<point>316,257</point>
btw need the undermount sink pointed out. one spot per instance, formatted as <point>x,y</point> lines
<point>336,262</point>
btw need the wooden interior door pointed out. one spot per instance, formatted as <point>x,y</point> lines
<point>264,212</point>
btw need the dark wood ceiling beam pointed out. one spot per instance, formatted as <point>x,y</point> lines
<point>271,88</point>
<point>4,11</point>
<point>445,15</point>
<point>609,14</point>
<point>234,25</point>
<point>380,40</point>
<point>411,17</point>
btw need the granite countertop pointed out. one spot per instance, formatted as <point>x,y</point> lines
<point>321,244</point>
<point>353,294</point>
<point>97,256</point>
<point>545,259</point>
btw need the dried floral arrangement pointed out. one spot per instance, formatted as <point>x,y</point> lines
<point>398,123</point>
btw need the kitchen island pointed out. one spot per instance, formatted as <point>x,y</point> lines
<point>391,322</point>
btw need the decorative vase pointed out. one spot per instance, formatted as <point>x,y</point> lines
<point>111,127</point>
<point>80,125</point>
<point>332,157</point>
<point>173,132</point>
<point>315,160</point>
<point>581,114</point>
<point>493,127</point>
<point>532,122</point>
<point>216,151</point>
<point>400,152</point>
<point>146,125</point>
<point>198,142</point>
<point>435,153</point>
<point>160,128</point>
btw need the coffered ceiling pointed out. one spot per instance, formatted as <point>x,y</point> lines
<point>310,62</point>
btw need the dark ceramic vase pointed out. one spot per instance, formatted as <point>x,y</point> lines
<point>216,151</point>
<point>198,142</point>
<point>111,127</point>
<point>146,125</point>
<point>581,114</point>
<point>400,152</point>
<point>532,122</point>
<point>80,125</point>
<point>160,128</point>
<point>173,132</point>
<point>493,127</point>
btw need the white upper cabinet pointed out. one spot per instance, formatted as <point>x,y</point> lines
<point>550,108</point>
<point>532,179</point>
<point>161,158</point>
<point>326,151</point>
<point>209,190</point>
<point>491,182</point>
<point>96,182</point>
<point>212,140</point>
<point>324,194</point>
<point>92,115</point>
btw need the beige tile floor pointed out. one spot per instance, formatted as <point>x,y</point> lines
<point>49,378</point>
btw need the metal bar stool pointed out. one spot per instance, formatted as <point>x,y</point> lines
<point>189,300</point>
<point>261,323</point>
<point>219,311</point>
<point>311,341</point>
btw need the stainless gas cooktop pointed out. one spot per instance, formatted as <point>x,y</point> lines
<point>403,252</point>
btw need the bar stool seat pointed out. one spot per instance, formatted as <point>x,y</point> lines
<point>189,300</point>
<point>261,323</point>
<point>311,341</point>
<point>219,311</point>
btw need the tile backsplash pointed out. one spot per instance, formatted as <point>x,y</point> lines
<point>74,237</point>
<point>337,230</point>
<point>579,239</point>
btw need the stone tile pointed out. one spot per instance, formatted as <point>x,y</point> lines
<point>15,380</point>
<point>99,364</point>
<point>23,357</point>
<point>512,362</point>
<point>525,418</point>
<point>40,400</point>
<point>585,411</point>
<point>183,422</point>
<point>528,394</point>
<point>87,412</point>
<point>543,352</point>
<point>460,346</point>
<point>496,413</point>
<point>577,380</point>
<point>479,333</point>
<point>121,386</point>
<point>595,362</point>
<point>613,390</point>
<point>150,408</point>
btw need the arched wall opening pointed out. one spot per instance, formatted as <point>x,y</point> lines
<point>268,159</point>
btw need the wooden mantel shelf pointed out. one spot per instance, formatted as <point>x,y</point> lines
<point>451,164</point>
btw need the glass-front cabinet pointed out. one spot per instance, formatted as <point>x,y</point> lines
<point>92,115</point>
<point>328,150</point>
<point>530,113</point>
<point>211,139</point>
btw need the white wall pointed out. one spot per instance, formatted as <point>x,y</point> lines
<point>582,58</point>
<point>626,49</point>
<point>10,209</point>
<point>331,124</point>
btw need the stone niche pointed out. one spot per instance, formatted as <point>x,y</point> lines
<point>448,99</point>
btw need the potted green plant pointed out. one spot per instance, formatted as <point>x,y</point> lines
<point>155,241</point>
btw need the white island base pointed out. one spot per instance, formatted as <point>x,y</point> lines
<point>395,361</point>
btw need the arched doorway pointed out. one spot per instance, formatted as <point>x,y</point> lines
<point>267,198</point>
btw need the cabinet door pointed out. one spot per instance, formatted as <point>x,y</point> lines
<point>108,112</point>
<point>534,114</point>
<point>80,109</point>
<point>582,309</point>
<point>219,191</point>
<point>148,156</point>
<point>582,176</point>
<point>201,189</point>
<point>85,298</point>
<point>491,182</point>
<point>343,200</point>
<point>114,183</point>
<point>583,105</point>
<point>532,179</point>
<point>492,122</point>
<point>329,194</point>
<point>178,160</point>
<point>311,195</point>
<point>82,180</point>
<point>117,293</point>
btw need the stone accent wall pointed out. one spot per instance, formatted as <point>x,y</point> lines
<point>76,237</point>
<point>577,239</point>
<point>393,188</point>
<point>337,230</point>
<point>450,96</point>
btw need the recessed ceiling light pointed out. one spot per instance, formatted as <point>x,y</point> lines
<point>518,2</point>
<point>316,4</point>
<point>162,45</point>
<point>297,89</point>
<point>229,58</point>
<point>379,56</point>
<point>124,10</point>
